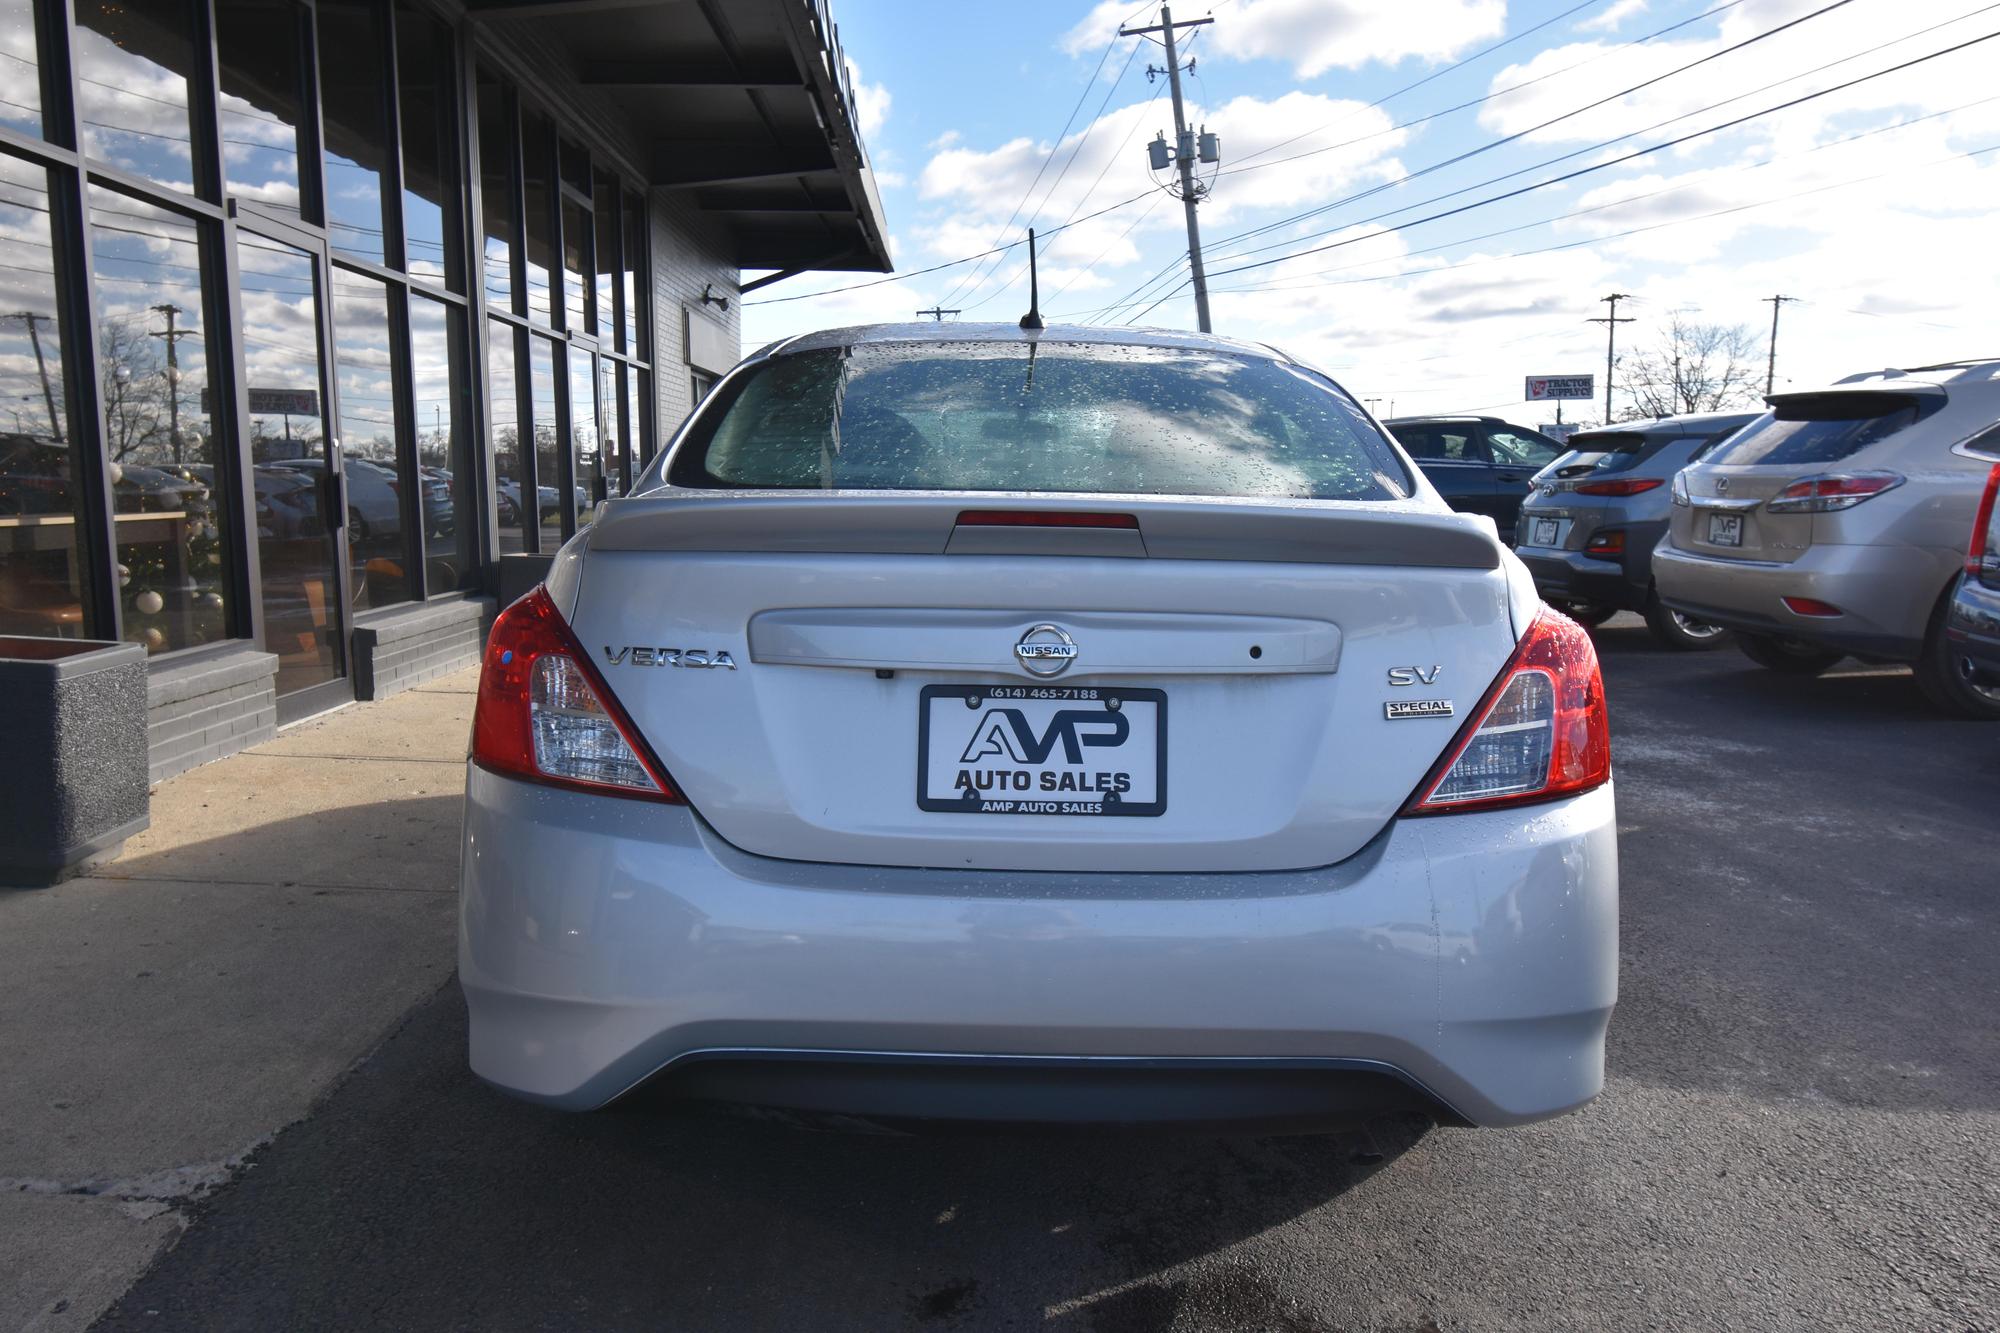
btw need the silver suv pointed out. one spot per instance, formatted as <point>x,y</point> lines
<point>1835,525</point>
<point>1589,526</point>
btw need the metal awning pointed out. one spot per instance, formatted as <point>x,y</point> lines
<point>745,104</point>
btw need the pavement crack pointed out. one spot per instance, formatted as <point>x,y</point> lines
<point>149,1193</point>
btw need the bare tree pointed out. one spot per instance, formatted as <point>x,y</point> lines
<point>135,392</point>
<point>1694,368</point>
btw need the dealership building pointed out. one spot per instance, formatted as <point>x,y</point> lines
<point>325,320</point>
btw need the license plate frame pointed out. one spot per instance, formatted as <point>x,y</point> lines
<point>1546,532</point>
<point>1037,707</point>
<point>1725,529</point>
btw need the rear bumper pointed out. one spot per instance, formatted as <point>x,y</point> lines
<point>1973,624</point>
<point>1572,576</point>
<point>604,942</point>
<point>1886,594</point>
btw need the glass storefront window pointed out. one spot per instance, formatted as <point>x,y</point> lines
<point>576,266</point>
<point>299,581</point>
<point>538,195</point>
<point>41,582</point>
<point>354,116</point>
<point>160,440</point>
<point>21,103</point>
<point>504,410</point>
<point>609,400</point>
<point>585,440</point>
<point>610,323</point>
<point>365,423</point>
<point>437,367</point>
<point>635,421</point>
<point>632,274</point>
<point>548,440</point>
<point>133,59</point>
<point>430,146</point>
<point>258,42</point>
<point>496,192</point>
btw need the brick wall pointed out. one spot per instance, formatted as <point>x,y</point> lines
<point>203,710</point>
<point>690,250</point>
<point>414,644</point>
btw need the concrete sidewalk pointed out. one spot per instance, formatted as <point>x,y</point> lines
<point>163,1017</point>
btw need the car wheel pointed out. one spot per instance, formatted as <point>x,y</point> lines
<point>1793,657</point>
<point>1944,674</point>
<point>357,528</point>
<point>1680,631</point>
<point>1588,614</point>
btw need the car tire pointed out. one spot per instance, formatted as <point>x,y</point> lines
<point>1679,631</point>
<point>1946,679</point>
<point>1790,657</point>
<point>1588,614</point>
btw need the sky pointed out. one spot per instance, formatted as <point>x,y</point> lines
<point>1346,126</point>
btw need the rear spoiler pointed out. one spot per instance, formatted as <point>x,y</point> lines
<point>1330,532</point>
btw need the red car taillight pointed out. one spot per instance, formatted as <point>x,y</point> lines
<point>1540,733</point>
<point>544,713</point>
<point>1982,558</point>
<point>1832,492</point>
<point>1630,486</point>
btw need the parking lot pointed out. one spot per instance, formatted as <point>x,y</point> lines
<point>1801,1127</point>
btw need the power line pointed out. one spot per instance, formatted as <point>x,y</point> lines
<point>1245,164</point>
<point>1491,144</point>
<point>1601,166</point>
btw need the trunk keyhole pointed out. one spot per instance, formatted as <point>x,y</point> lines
<point>1256,650</point>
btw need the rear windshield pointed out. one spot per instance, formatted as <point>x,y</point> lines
<point>991,416</point>
<point>1823,428</point>
<point>1619,450</point>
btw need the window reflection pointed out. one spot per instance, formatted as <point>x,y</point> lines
<point>633,274</point>
<point>610,323</point>
<point>548,440</point>
<point>538,195</point>
<point>366,401</point>
<point>504,409</point>
<point>430,151</point>
<point>635,420</point>
<point>259,43</point>
<point>353,70</point>
<point>159,437</point>
<point>20,80</point>
<point>436,365</point>
<point>585,442</point>
<point>609,399</point>
<point>576,266</point>
<point>41,583</point>
<point>496,191</point>
<point>132,63</point>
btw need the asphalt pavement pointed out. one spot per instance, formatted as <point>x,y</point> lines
<point>1801,1127</point>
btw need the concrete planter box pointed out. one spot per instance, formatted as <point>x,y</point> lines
<point>73,717</point>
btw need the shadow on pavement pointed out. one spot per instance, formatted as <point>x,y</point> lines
<point>466,1209</point>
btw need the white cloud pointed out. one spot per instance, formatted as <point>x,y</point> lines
<point>1313,36</point>
<point>871,101</point>
<point>1609,20</point>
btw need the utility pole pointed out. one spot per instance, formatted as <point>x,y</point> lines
<point>1771,368</point>
<point>33,320</point>
<point>1610,323</point>
<point>173,337</point>
<point>937,314</point>
<point>1184,153</point>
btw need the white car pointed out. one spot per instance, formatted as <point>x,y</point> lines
<point>1079,725</point>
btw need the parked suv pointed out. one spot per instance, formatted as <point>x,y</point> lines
<point>1587,531</point>
<point>1973,623</point>
<point>1480,465</point>
<point>1836,524</point>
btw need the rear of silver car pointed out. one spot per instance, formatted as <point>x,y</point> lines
<point>927,794</point>
<point>1836,523</point>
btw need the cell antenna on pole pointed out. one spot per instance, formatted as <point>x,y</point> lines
<point>1033,319</point>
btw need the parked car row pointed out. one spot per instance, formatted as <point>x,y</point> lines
<point>1834,524</point>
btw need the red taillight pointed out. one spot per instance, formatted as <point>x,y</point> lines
<point>1611,541</point>
<point>1810,606</point>
<point>1832,492</point>
<point>1630,486</point>
<point>1043,518</point>
<point>544,713</point>
<point>1982,558</point>
<point>1541,732</point>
